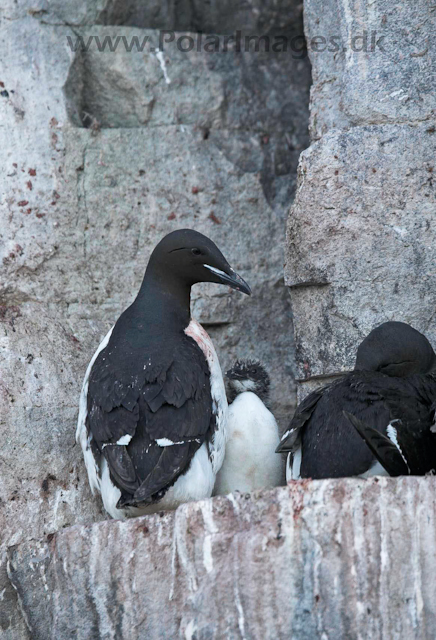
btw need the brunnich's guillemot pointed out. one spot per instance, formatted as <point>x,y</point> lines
<point>391,389</point>
<point>250,461</point>
<point>153,408</point>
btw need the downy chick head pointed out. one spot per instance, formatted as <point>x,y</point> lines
<point>248,375</point>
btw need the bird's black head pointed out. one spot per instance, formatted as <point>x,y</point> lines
<point>191,257</point>
<point>396,349</point>
<point>248,375</point>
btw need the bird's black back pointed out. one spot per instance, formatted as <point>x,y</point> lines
<point>332,448</point>
<point>152,381</point>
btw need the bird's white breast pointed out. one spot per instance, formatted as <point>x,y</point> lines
<point>218,392</point>
<point>250,462</point>
<point>293,465</point>
<point>82,437</point>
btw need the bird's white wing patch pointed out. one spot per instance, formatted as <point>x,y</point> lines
<point>81,432</point>
<point>392,434</point>
<point>287,433</point>
<point>166,442</point>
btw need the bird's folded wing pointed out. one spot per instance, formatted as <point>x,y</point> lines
<point>172,461</point>
<point>302,414</point>
<point>433,417</point>
<point>149,423</point>
<point>386,452</point>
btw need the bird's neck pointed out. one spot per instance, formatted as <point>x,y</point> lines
<point>165,299</point>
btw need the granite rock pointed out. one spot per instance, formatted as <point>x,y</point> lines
<point>372,63</point>
<point>360,239</point>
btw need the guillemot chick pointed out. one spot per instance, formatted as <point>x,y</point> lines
<point>392,392</point>
<point>153,408</point>
<point>250,462</point>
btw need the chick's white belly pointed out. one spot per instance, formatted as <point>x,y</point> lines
<point>250,461</point>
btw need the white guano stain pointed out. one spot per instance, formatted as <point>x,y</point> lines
<point>190,630</point>
<point>241,617</point>
<point>207,512</point>
<point>210,529</point>
<point>207,554</point>
<point>160,56</point>
<point>232,499</point>
<point>180,552</point>
<point>401,232</point>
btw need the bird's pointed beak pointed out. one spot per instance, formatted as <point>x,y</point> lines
<point>231,279</point>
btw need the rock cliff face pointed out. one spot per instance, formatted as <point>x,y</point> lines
<point>361,235</point>
<point>312,561</point>
<point>103,153</point>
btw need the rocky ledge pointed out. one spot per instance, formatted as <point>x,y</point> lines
<point>322,559</point>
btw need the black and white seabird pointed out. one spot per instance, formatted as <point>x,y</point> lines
<point>250,461</point>
<point>392,390</point>
<point>153,408</point>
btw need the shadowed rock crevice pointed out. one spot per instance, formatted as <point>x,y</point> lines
<point>247,90</point>
<point>213,16</point>
<point>217,16</point>
<point>252,104</point>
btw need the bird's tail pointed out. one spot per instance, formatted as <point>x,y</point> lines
<point>386,452</point>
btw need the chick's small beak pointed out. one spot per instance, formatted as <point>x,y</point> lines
<point>232,375</point>
<point>231,279</point>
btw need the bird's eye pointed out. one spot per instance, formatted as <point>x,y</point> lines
<point>254,371</point>
<point>196,252</point>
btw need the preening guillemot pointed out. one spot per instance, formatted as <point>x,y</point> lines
<point>392,390</point>
<point>250,462</point>
<point>153,408</point>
